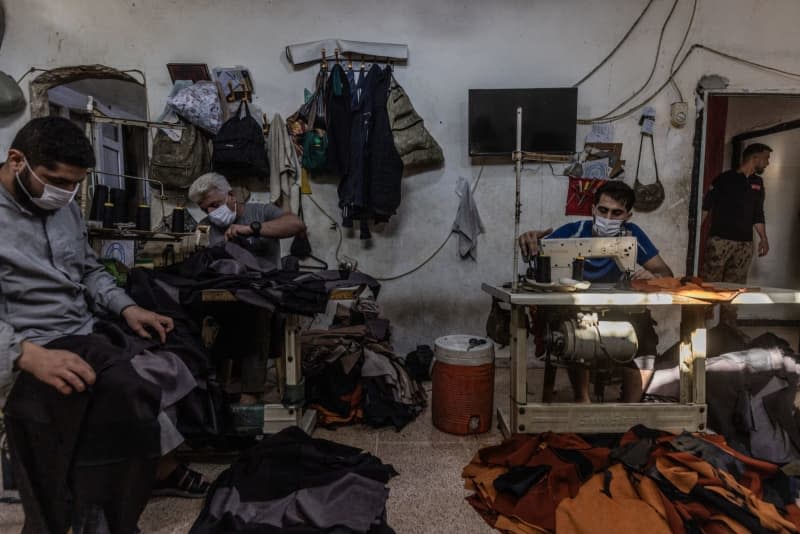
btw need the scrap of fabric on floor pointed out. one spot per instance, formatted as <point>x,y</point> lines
<point>292,483</point>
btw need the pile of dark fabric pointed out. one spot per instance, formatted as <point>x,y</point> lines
<point>292,483</point>
<point>643,481</point>
<point>751,398</point>
<point>74,454</point>
<point>352,375</point>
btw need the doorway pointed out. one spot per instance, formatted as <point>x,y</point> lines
<point>733,121</point>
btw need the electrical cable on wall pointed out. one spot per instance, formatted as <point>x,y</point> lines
<point>619,44</point>
<point>680,48</point>
<point>652,69</point>
<point>694,47</point>
<point>410,271</point>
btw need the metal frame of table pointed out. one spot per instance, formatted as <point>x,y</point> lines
<point>689,413</point>
<point>278,416</point>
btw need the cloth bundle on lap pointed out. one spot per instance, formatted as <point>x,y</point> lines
<point>98,449</point>
<point>291,482</point>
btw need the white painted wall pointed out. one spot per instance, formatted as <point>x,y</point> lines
<point>757,112</point>
<point>454,45</point>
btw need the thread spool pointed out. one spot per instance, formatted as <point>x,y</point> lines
<point>577,268</point>
<point>98,201</point>
<point>543,269</point>
<point>143,217</point>
<point>120,201</point>
<point>178,220</point>
<point>108,215</point>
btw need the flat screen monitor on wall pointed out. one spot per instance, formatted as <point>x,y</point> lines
<point>549,119</point>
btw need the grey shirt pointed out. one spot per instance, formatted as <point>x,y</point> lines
<point>267,248</point>
<point>51,284</point>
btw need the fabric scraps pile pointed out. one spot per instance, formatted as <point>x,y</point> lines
<point>352,374</point>
<point>644,481</point>
<point>291,483</point>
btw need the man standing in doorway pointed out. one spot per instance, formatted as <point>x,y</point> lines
<point>736,204</point>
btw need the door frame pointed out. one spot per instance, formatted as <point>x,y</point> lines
<point>693,247</point>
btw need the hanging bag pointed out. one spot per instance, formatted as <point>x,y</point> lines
<point>650,196</point>
<point>239,148</point>
<point>178,163</point>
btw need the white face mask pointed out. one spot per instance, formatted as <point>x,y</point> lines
<point>53,198</point>
<point>607,227</point>
<point>222,216</point>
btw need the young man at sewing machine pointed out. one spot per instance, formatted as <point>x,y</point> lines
<point>611,213</point>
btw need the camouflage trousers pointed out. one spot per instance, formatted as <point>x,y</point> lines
<point>727,261</point>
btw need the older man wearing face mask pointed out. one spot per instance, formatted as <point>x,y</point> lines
<point>611,212</point>
<point>259,226</point>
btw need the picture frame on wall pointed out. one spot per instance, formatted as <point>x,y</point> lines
<point>195,72</point>
<point>235,83</point>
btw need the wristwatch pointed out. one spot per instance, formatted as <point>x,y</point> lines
<point>255,226</point>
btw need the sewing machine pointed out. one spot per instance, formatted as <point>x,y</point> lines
<point>562,253</point>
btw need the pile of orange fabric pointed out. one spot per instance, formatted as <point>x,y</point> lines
<point>689,286</point>
<point>644,481</point>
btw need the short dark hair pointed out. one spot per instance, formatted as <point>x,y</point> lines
<point>48,141</point>
<point>619,191</point>
<point>752,150</point>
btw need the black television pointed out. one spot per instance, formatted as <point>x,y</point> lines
<point>549,120</point>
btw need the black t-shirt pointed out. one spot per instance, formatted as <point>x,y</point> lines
<point>736,203</point>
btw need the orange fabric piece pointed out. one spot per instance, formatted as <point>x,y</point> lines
<point>592,511</point>
<point>480,479</point>
<point>356,414</point>
<point>537,507</point>
<point>692,287</point>
<point>680,468</point>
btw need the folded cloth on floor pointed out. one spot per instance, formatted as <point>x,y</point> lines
<point>291,482</point>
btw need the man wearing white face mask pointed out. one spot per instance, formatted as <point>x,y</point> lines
<point>611,212</point>
<point>57,301</point>
<point>259,226</point>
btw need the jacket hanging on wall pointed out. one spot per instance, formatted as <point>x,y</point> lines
<point>414,143</point>
<point>371,189</point>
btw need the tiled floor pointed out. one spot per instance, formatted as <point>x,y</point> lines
<point>427,497</point>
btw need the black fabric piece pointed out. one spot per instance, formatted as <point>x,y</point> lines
<point>327,384</point>
<point>272,290</point>
<point>519,479</point>
<point>607,484</point>
<point>379,329</point>
<point>736,203</point>
<point>380,408</point>
<point>385,165</point>
<point>633,455</point>
<point>97,448</point>
<point>339,122</point>
<point>201,412</point>
<point>582,464</point>
<point>737,513</point>
<point>282,464</point>
<point>710,453</point>
<point>418,363</point>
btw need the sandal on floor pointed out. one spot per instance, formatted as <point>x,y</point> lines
<point>182,482</point>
